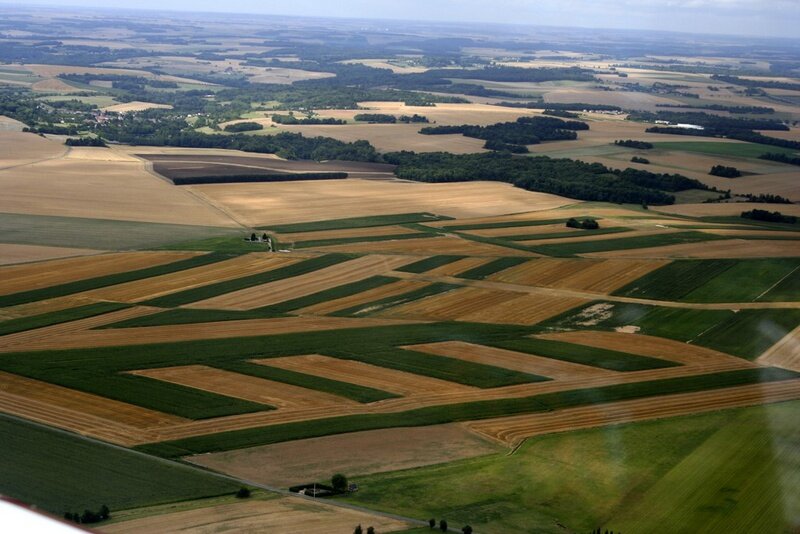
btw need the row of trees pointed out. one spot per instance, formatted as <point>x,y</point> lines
<point>385,118</point>
<point>724,171</point>
<point>630,143</point>
<point>523,131</point>
<point>89,516</point>
<point>736,110</point>
<point>781,158</point>
<point>292,119</point>
<point>769,216</point>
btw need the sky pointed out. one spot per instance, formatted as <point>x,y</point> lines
<point>765,18</point>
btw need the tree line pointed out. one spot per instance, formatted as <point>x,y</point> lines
<point>574,179</point>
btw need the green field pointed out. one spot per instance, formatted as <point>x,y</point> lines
<point>746,333</point>
<point>364,239</point>
<point>100,234</point>
<point>429,264</point>
<point>228,244</point>
<point>740,150</point>
<point>770,280</point>
<point>63,472</point>
<point>716,472</point>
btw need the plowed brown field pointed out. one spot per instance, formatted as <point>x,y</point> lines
<point>355,372</point>
<point>305,284</point>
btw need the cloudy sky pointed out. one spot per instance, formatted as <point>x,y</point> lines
<point>778,18</point>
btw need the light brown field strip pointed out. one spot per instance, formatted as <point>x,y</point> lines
<point>364,374</point>
<point>521,230</point>
<point>723,248</point>
<point>63,331</point>
<point>187,332</point>
<point>657,347</point>
<point>63,398</point>
<point>43,306</point>
<point>385,291</point>
<point>305,284</point>
<point>580,274</point>
<point>17,278</point>
<point>513,430</point>
<point>217,272</point>
<point>275,516</point>
<point>484,306</point>
<point>428,246</point>
<point>458,267</point>
<point>785,353</point>
<point>240,386</point>
<point>507,359</point>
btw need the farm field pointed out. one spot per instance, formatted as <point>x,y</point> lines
<point>232,266</point>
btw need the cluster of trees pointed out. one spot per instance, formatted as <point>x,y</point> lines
<point>637,159</point>
<point>575,179</point>
<point>746,82</point>
<point>736,110</point>
<point>120,81</point>
<point>292,119</point>
<point>385,118</point>
<point>244,127</point>
<point>630,143</point>
<point>88,516</point>
<point>466,529</point>
<point>139,129</point>
<point>724,171</point>
<point>764,215</point>
<point>781,158</point>
<point>523,131</point>
<point>586,224</point>
<point>767,198</point>
<point>86,141</point>
<point>561,113</point>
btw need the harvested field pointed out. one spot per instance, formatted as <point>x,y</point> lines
<point>513,430</point>
<point>473,304</point>
<point>286,464</point>
<point>99,154</point>
<point>20,148</point>
<point>448,114</point>
<point>364,374</point>
<point>134,106</point>
<point>427,246</point>
<point>19,278</point>
<point>187,332</point>
<point>241,386</point>
<point>657,347</point>
<point>276,516</point>
<point>598,237</point>
<point>157,286</point>
<point>276,203</point>
<point>577,274</point>
<point>726,248</point>
<point>11,253</point>
<point>785,353</point>
<point>518,361</point>
<point>115,190</point>
<point>305,284</point>
<point>79,412</point>
<point>389,290</point>
<point>55,85</point>
<point>522,230</point>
